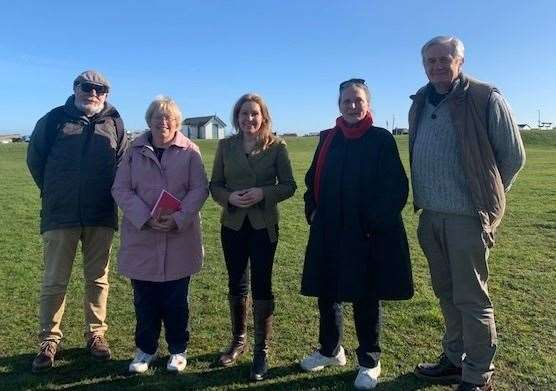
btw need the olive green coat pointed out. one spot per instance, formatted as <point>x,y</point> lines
<point>234,170</point>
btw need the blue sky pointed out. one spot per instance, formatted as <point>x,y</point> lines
<point>206,54</point>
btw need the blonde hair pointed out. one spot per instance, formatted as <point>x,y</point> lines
<point>165,105</point>
<point>265,138</point>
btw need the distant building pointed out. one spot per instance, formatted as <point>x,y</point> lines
<point>400,131</point>
<point>523,127</point>
<point>210,127</point>
<point>133,134</point>
<point>291,134</point>
<point>10,138</point>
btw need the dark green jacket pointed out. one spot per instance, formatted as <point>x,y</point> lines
<point>73,160</point>
<point>270,170</point>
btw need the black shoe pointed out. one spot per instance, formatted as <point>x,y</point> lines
<point>442,371</point>
<point>259,367</point>
<point>262,317</point>
<point>465,386</point>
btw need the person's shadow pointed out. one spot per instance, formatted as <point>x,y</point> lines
<point>72,366</point>
<point>75,369</point>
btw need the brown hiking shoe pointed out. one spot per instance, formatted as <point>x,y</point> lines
<point>465,386</point>
<point>45,359</point>
<point>98,347</point>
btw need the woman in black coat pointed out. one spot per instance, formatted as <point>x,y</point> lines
<point>357,250</point>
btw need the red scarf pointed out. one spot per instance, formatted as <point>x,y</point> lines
<point>349,132</point>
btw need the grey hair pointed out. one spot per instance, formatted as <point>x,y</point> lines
<point>454,43</point>
<point>363,86</point>
<point>167,105</point>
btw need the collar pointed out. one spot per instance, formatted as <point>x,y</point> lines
<point>179,141</point>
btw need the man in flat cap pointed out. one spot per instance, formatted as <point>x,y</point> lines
<point>465,153</point>
<point>72,156</point>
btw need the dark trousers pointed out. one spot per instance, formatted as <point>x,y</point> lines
<point>253,247</point>
<point>157,303</point>
<point>366,315</point>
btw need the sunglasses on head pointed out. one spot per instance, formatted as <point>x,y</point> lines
<point>351,81</point>
<point>88,87</point>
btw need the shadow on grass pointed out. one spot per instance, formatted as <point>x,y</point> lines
<point>74,369</point>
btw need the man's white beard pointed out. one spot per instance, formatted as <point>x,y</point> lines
<point>89,109</point>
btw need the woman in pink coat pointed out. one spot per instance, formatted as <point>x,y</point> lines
<point>160,254</point>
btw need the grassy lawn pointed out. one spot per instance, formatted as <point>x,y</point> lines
<point>522,284</point>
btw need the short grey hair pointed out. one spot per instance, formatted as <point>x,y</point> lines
<point>165,105</point>
<point>455,44</point>
<point>350,83</point>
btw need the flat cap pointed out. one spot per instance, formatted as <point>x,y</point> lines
<point>92,77</point>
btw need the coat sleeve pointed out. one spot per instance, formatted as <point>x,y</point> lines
<point>309,195</point>
<point>505,139</point>
<point>123,142</point>
<point>285,186</point>
<point>37,152</point>
<point>134,208</point>
<point>193,201</point>
<point>217,186</point>
<point>391,189</point>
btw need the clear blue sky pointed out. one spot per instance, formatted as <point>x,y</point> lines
<point>206,54</point>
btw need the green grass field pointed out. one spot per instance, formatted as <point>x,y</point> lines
<point>522,284</point>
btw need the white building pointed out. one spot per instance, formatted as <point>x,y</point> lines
<point>10,138</point>
<point>210,127</point>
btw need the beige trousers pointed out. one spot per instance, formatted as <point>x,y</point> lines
<point>60,246</point>
<point>458,266</point>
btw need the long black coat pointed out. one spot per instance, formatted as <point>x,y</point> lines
<point>357,243</point>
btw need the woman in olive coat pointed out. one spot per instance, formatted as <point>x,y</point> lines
<point>357,250</point>
<point>250,176</point>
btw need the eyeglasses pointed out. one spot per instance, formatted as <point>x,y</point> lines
<point>159,117</point>
<point>88,87</point>
<point>344,84</point>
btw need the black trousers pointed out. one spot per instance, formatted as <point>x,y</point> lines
<point>252,247</point>
<point>157,303</point>
<point>367,318</point>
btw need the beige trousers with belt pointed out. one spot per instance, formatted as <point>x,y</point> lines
<point>60,246</point>
<point>458,266</point>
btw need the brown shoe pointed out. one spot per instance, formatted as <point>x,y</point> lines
<point>465,386</point>
<point>45,359</point>
<point>98,347</point>
<point>442,371</point>
<point>238,312</point>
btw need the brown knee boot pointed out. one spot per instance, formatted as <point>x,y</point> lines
<point>238,314</point>
<point>262,316</point>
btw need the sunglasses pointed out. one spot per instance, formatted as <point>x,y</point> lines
<point>351,81</point>
<point>88,87</point>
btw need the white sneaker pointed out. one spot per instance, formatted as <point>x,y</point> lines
<point>317,362</point>
<point>177,362</point>
<point>141,361</point>
<point>367,378</point>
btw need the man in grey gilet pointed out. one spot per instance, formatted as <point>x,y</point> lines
<point>465,153</point>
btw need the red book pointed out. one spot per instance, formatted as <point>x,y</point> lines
<point>165,205</point>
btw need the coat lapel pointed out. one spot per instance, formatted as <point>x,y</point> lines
<point>241,156</point>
